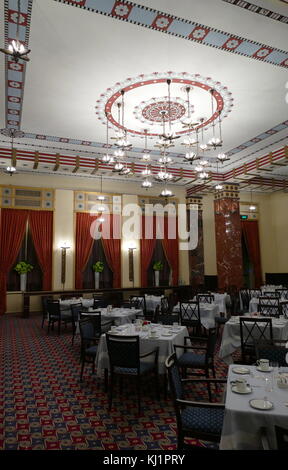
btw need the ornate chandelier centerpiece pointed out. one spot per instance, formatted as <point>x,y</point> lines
<point>169,121</point>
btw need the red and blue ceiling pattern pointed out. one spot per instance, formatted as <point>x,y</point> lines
<point>15,72</point>
<point>182,28</point>
<point>259,10</point>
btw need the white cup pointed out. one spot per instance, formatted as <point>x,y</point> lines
<point>241,385</point>
<point>153,333</point>
<point>113,328</point>
<point>175,324</point>
<point>263,364</point>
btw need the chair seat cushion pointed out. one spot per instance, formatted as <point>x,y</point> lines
<point>190,359</point>
<point>144,367</point>
<point>221,320</point>
<point>208,420</point>
<point>91,351</point>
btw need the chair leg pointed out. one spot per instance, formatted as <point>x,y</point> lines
<point>111,390</point>
<point>139,395</point>
<point>106,380</point>
<point>157,385</point>
<point>82,370</point>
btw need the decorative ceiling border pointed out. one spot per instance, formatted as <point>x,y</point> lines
<point>259,10</point>
<point>15,72</point>
<point>163,22</point>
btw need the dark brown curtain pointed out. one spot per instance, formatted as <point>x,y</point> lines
<point>251,236</point>
<point>171,248</point>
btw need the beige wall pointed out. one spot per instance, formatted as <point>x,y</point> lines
<point>273,228</point>
<point>64,226</point>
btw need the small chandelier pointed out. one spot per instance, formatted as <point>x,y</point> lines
<point>166,193</point>
<point>219,187</point>
<point>222,157</point>
<point>164,175</point>
<point>16,49</point>
<point>203,175</point>
<point>146,184</point>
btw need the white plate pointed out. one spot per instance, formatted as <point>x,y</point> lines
<point>167,334</point>
<point>234,389</point>
<point>281,322</point>
<point>261,404</point>
<point>166,326</point>
<point>153,337</point>
<point>241,370</point>
<point>261,370</point>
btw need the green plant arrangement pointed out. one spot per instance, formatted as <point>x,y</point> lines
<point>23,267</point>
<point>158,266</point>
<point>98,267</point>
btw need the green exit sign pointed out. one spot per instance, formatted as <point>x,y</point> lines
<point>243,216</point>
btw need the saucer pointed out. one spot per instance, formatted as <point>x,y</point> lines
<point>234,389</point>
<point>153,337</point>
<point>261,370</point>
<point>167,334</point>
<point>241,370</point>
<point>261,404</point>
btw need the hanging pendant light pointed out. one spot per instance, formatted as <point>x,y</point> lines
<point>214,141</point>
<point>11,168</point>
<point>16,49</point>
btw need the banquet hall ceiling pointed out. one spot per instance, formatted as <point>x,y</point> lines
<point>85,52</point>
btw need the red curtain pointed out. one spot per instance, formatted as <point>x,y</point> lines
<point>171,246</point>
<point>251,235</point>
<point>112,245</point>
<point>41,225</point>
<point>147,247</point>
<point>84,243</point>
<point>13,224</point>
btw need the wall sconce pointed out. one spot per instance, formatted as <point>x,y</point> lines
<point>64,247</point>
<point>131,263</point>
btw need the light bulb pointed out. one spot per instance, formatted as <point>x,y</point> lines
<point>219,186</point>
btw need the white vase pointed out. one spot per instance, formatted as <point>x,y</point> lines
<point>157,273</point>
<point>23,282</point>
<point>97,279</point>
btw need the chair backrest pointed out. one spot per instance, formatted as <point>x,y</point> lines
<point>283,293</point>
<point>138,302</point>
<point>206,298</point>
<point>284,308</point>
<point>281,438</point>
<point>268,350</point>
<point>190,312</point>
<point>76,309</point>
<point>53,307</point>
<point>100,303</point>
<point>94,320</point>
<point>253,330</point>
<point>123,351</point>
<point>269,306</point>
<point>245,297</point>
<point>45,300</point>
<point>174,377</point>
<point>255,293</point>
<point>266,293</point>
<point>165,306</point>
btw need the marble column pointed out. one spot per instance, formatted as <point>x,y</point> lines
<point>196,256</point>
<point>228,237</point>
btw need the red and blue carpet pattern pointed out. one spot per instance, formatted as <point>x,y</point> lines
<point>43,405</point>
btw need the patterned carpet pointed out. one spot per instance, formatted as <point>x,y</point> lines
<point>43,406</point>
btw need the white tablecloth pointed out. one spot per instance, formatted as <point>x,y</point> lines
<point>222,300</point>
<point>253,305</point>
<point>231,340</point>
<point>208,312</point>
<point>165,344</point>
<point>152,301</point>
<point>86,303</point>
<point>242,422</point>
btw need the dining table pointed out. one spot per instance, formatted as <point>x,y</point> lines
<point>66,304</point>
<point>208,312</point>
<point>231,340</point>
<point>166,337</point>
<point>263,402</point>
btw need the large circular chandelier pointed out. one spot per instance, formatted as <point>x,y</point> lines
<point>167,118</point>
